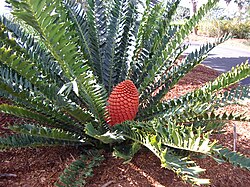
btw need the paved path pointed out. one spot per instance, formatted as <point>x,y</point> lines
<point>223,58</point>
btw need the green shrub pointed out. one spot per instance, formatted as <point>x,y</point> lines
<point>215,28</point>
<point>62,74</point>
<point>240,30</point>
<point>210,28</point>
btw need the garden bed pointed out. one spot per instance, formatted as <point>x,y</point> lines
<point>42,166</point>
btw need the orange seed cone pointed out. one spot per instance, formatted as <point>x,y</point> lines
<point>123,103</point>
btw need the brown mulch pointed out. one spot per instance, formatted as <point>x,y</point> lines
<point>40,167</point>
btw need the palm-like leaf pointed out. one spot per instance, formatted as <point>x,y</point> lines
<point>158,140</point>
<point>235,158</point>
<point>33,136</point>
<point>80,169</point>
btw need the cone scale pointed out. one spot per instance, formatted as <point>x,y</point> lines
<point>123,103</point>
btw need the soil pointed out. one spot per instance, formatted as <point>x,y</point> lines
<point>40,167</point>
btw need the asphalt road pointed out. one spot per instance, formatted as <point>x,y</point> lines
<point>223,58</point>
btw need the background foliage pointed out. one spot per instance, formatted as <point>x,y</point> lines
<point>215,28</point>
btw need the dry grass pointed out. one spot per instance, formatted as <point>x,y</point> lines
<point>243,44</point>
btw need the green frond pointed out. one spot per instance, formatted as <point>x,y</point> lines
<point>150,18</point>
<point>101,11</point>
<point>126,151</point>
<point>24,100</point>
<point>152,93</point>
<point>118,33</point>
<point>182,166</point>
<point>25,68</point>
<point>93,94</point>
<point>28,96</point>
<point>199,101</point>
<point>148,24</point>
<point>236,74</point>
<point>152,37</point>
<point>92,28</point>
<point>207,94</point>
<point>174,43</point>
<point>180,137</point>
<point>204,112</point>
<point>35,135</point>
<point>211,102</point>
<point>13,83</point>
<point>225,116</point>
<point>90,92</point>
<point>5,40</point>
<point>234,158</point>
<point>46,132</point>
<point>43,65</point>
<point>172,72</point>
<point>165,29</point>
<point>239,95</point>
<point>109,73</point>
<point>32,49</point>
<point>23,75</point>
<point>107,137</point>
<point>125,38</point>
<point>185,138</point>
<point>24,140</point>
<point>22,112</point>
<point>86,26</point>
<point>79,170</point>
<point>210,126</point>
<point>101,38</point>
<point>54,31</point>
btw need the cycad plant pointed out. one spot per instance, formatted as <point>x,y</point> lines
<point>93,75</point>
